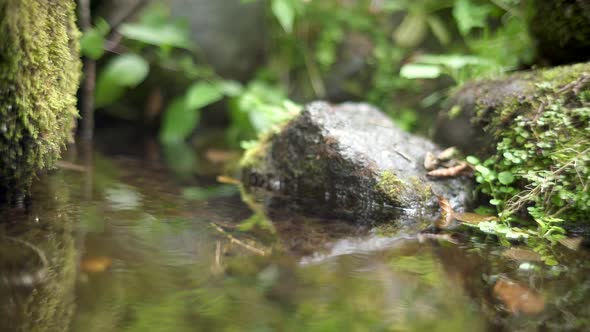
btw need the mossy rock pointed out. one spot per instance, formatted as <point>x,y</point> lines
<point>351,160</point>
<point>534,128</point>
<point>39,77</point>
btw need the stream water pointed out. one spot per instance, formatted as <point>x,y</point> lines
<point>129,244</point>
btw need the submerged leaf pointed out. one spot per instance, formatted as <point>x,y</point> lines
<point>518,298</point>
<point>95,264</point>
<point>522,254</point>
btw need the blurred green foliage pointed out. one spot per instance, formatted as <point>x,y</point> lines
<point>373,50</point>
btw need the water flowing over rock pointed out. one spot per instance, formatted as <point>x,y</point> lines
<point>351,160</point>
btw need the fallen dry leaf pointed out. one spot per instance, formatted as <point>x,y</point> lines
<point>572,243</point>
<point>430,161</point>
<point>518,298</point>
<point>95,264</point>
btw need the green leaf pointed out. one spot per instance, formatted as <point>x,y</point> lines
<point>439,30</point>
<point>284,11</point>
<point>178,121</point>
<point>495,201</point>
<point>413,71</point>
<point>92,41</point>
<point>506,177</point>
<point>411,31</point>
<point>454,61</point>
<point>484,171</point>
<point>165,35</point>
<point>92,44</point>
<point>469,15</point>
<point>230,88</point>
<point>127,70</point>
<point>202,94</point>
<point>472,160</point>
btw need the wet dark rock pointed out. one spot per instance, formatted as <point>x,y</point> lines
<point>353,161</point>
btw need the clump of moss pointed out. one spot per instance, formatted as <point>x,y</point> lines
<point>39,77</point>
<point>542,161</point>
<point>391,186</point>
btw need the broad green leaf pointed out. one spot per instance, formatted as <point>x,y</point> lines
<point>165,35</point>
<point>284,11</point>
<point>506,177</point>
<point>92,44</point>
<point>469,15</point>
<point>455,61</point>
<point>472,160</point>
<point>439,30</point>
<point>413,71</point>
<point>411,31</point>
<point>202,94</point>
<point>495,201</point>
<point>127,70</point>
<point>178,121</point>
<point>181,158</point>
<point>230,88</point>
<point>92,41</point>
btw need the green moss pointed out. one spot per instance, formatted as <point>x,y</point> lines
<point>391,186</point>
<point>39,76</point>
<point>423,190</point>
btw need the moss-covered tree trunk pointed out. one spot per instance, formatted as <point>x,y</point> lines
<point>39,75</point>
<point>533,129</point>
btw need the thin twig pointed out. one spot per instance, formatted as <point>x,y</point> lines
<point>89,84</point>
<point>244,245</point>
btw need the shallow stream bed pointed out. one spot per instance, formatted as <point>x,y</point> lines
<point>126,244</point>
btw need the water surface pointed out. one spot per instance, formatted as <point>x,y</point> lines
<point>131,244</point>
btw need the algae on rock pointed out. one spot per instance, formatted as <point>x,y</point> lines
<point>39,76</point>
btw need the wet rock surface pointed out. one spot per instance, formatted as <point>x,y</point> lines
<point>351,160</point>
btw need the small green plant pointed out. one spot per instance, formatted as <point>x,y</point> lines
<point>540,169</point>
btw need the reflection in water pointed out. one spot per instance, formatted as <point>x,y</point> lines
<point>130,248</point>
<point>38,274</point>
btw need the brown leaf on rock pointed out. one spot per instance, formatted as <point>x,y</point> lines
<point>430,161</point>
<point>450,171</point>
<point>473,218</point>
<point>448,153</point>
<point>518,298</point>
